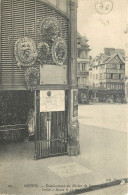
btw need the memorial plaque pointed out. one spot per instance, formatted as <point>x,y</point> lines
<point>69,169</point>
<point>52,100</point>
<point>53,74</point>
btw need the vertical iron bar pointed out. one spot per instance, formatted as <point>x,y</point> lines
<point>35,113</point>
<point>61,127</point>
<point>41,148</point>
<point>57,134</point>
<point>47,134</point>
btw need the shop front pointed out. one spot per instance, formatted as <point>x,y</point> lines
<point>83,96</point>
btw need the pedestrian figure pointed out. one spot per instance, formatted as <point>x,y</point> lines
<point>31,124</point>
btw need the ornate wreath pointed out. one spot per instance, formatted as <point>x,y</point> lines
<point>50,29</point>
<point>31,77</point>
<point>59,51</point>
<point>43,51</point>
<point>25,52</point>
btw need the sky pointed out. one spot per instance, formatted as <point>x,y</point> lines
<point>103,30</point>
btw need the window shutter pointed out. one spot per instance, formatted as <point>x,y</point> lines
<point>21,18</point>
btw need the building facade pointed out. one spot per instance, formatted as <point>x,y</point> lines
<point>83,68</point>
<point>38,72</point>
<point>106,77</point>
<point>126,70</point>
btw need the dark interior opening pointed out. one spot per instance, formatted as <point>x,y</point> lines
<point>15,106</point>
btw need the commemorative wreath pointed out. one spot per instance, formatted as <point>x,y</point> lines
<point>50,29</point>
<point>25,52</point>
<point>43,51</point>
<point>31,77</point>
<point>59,51</point>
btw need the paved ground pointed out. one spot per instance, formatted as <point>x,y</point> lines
<point>111,116</point>
<point>103,153</point>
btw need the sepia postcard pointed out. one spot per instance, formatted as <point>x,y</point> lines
<point>63,97</point>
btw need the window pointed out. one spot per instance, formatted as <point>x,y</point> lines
<point>111,76</point>
<point>121,66</point>
<point>120,76</point>
<point>114,66</point>
<point>100,76</point>
<point>20,19</point>
<point>83,67</point>
<point>96,76</point>
<point>78,66</point>
<point>84,80</point>
<point>78,80</point>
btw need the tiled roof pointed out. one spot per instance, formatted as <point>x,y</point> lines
<point>104,58</point>
<point>113,56</point>
<point>83,40</point>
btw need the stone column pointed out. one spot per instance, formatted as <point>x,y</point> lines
<point>73,127</point>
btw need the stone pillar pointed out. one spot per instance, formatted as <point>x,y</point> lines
<point>73,127</point>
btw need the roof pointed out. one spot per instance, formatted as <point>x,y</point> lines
<point>83,40</point>
<point>100,59</point>
<point>78,35</point>
<point>113,56</point>
<point>104,58</point>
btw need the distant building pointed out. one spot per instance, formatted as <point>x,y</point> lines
<point>82,67</point>
<point>126,70</point>
<point>111,51</point>
<point>106,76</point>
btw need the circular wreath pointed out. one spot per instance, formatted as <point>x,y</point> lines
<point>31,77</point>
<point>59,51</point>
<point>25,51</point>
<point>43,51</point>
<point>50,29</point>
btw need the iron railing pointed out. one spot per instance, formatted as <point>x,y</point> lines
<point>53,147</point>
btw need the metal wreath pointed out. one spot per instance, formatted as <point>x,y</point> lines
<point>31,77</point>
<point>43,51</point>
<point>59,51</point>
<point>25,52</point>
<point>50,29</point>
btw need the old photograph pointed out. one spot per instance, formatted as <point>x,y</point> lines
<point>63,97</point>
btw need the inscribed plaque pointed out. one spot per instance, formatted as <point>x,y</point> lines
<point>53,74</point>
<point>52,100</point>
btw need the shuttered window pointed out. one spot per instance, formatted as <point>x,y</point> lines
<point>21,18</point>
